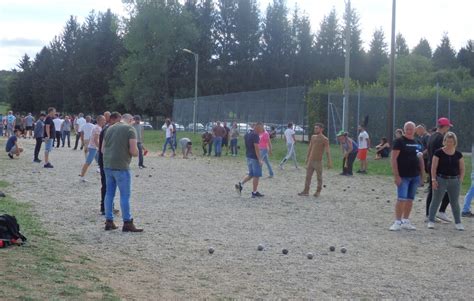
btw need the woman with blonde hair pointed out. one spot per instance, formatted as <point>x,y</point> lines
<point>447,173</point>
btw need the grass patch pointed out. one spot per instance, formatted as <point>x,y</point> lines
<point>154,141</point>
<point>44,269</point>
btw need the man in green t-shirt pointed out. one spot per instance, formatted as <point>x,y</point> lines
<point>118,148</point>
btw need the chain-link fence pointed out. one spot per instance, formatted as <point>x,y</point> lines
<point>374,109</point>
<point>273,107</point>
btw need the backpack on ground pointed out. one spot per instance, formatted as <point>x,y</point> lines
<point>10,231</point>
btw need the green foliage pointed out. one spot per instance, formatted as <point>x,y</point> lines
<point>423,49</point>
<point>444,56</point>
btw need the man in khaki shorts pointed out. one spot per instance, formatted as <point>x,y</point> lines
<point>314,159</point>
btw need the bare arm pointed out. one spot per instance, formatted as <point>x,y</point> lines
<point>328,154</point>
<point>96,138</point>
<point>434,169</point>
<point>48,131</point>
<point>309,150</point>
<point>132,147</point>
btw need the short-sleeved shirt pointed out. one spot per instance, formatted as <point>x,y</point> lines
<point>184,142</point>
<point>87,130</point>
<point>95,131</point>
<point>434,143</point>
<point>29,120</point>
<point>80,123</point>
<point>316,147</point>
<point>49,121</point>
<point>448,165</point>
<point>219,131</point>
<point>67,125</point>
<point>234,133</point>
<point>116,146</point>
<point>227,131</point>
<point>289,135</point>
<point>407,161</point>
<point>264,140</point>
<point>206,137</point>
<point>39,129</point>
<point>363,136</point>
<point>10,119</point>
<point>11,143</point>
<point>138,129</point>
<point>57,124</point>
<point>251,138</point>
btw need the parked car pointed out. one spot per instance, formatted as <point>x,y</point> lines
<point>179,127</point>
<point>146,125</point>
<point>199,127</point>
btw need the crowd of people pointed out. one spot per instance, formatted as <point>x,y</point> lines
<point>112,140</point>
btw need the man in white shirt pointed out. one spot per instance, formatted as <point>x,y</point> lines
<point>86,133</point>
<point>364,145</point>
<point>78,124</point>
<point>290,146</point>
<point>57,127</point>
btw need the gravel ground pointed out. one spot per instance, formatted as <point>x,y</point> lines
<point>187,206</point>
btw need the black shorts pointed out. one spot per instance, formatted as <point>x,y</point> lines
<point>29,128</point>
<point>225,142</point>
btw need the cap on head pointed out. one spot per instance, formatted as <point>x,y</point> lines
<point>341,133</point>
<point>443,121</point>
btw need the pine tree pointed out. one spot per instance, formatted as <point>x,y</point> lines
<point>401,47</point>
<point>377,56</point>
<point>466,56</point>
<point>444,56</point>
<point>423,48</point>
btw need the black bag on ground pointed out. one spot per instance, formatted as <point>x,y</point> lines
<point>9,230</point>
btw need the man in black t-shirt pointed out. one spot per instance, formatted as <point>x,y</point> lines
<point>434,143</point>
<point>254,160</point>
<point>408,169</point>
<point>49,134</point>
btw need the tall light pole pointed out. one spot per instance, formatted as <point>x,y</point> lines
<point>391,98</point>
<point>345,103</point>
<point>196,60</point>
<point>287,76</point>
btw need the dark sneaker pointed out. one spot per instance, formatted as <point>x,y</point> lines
<point>257,195</point>
<point>238,188</point>
<point>10,155</point>
<point>37,160</point>
<point>359,171</point>
<point>364,172</point>
<point>48,165</point>
<point>467,214</point>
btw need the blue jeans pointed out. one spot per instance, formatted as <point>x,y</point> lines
<point>406,191</point>
<point>66,134</point>
<point>218,146</point>
<point>233,146</point>
<point>469,196</point>
<point>169,141</point>
<point>121,178</point>
<point>264,154</point>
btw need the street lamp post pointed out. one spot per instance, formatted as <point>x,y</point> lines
<point>287,76</point>
<point>196,60</point>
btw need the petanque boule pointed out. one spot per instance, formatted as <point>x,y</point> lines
<point>388,201</point>
<point>310,255</point>
<point>260,247</point>
<point>149,176</point>
<point>211,250</point>
<point>284,251</point>
<point>332,248</point>
<point>343,250</point>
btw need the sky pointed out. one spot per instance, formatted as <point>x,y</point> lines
<point>28,25</point>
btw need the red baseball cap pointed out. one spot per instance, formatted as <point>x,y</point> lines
<point>443,121</point>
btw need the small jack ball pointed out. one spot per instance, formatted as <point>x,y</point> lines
<point>310,255</point>
<point>211,250</point>
<point>149,176</point>
<point>284,251</point>
<point>332,248</point>
<point>343,250</point>
<point>260,247</point>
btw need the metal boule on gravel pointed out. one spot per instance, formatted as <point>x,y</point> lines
<point>284,251</point>
<point>332,248</point>
<point>310,255</point>
<point>343,250</point>
<point>149,176</point>
<point>260,247</point>
<point>211,250</point>
<point>388,201</point>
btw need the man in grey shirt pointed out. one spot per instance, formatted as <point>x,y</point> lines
<point>139,129</point>
<point>66,131</point>
<point>38,135</point>
<point>29,125</point>
<point>186,147</point>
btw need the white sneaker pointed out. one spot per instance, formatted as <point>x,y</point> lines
<point>98,170</point>
<point>430,225</point>
<point>443,216</point>
<point>408,226</point>
<point>395,227</point>
<point>83,180</point>
<point>459,227</point>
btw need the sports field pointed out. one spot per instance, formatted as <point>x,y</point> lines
<point>187,206</point>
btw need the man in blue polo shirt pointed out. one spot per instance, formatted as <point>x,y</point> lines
<point>254,160</point>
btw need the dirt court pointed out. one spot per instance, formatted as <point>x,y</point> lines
<point>187,206</point>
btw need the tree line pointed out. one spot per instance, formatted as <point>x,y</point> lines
<point>137,63</point>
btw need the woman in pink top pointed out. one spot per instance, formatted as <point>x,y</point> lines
<point>265,146</point>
